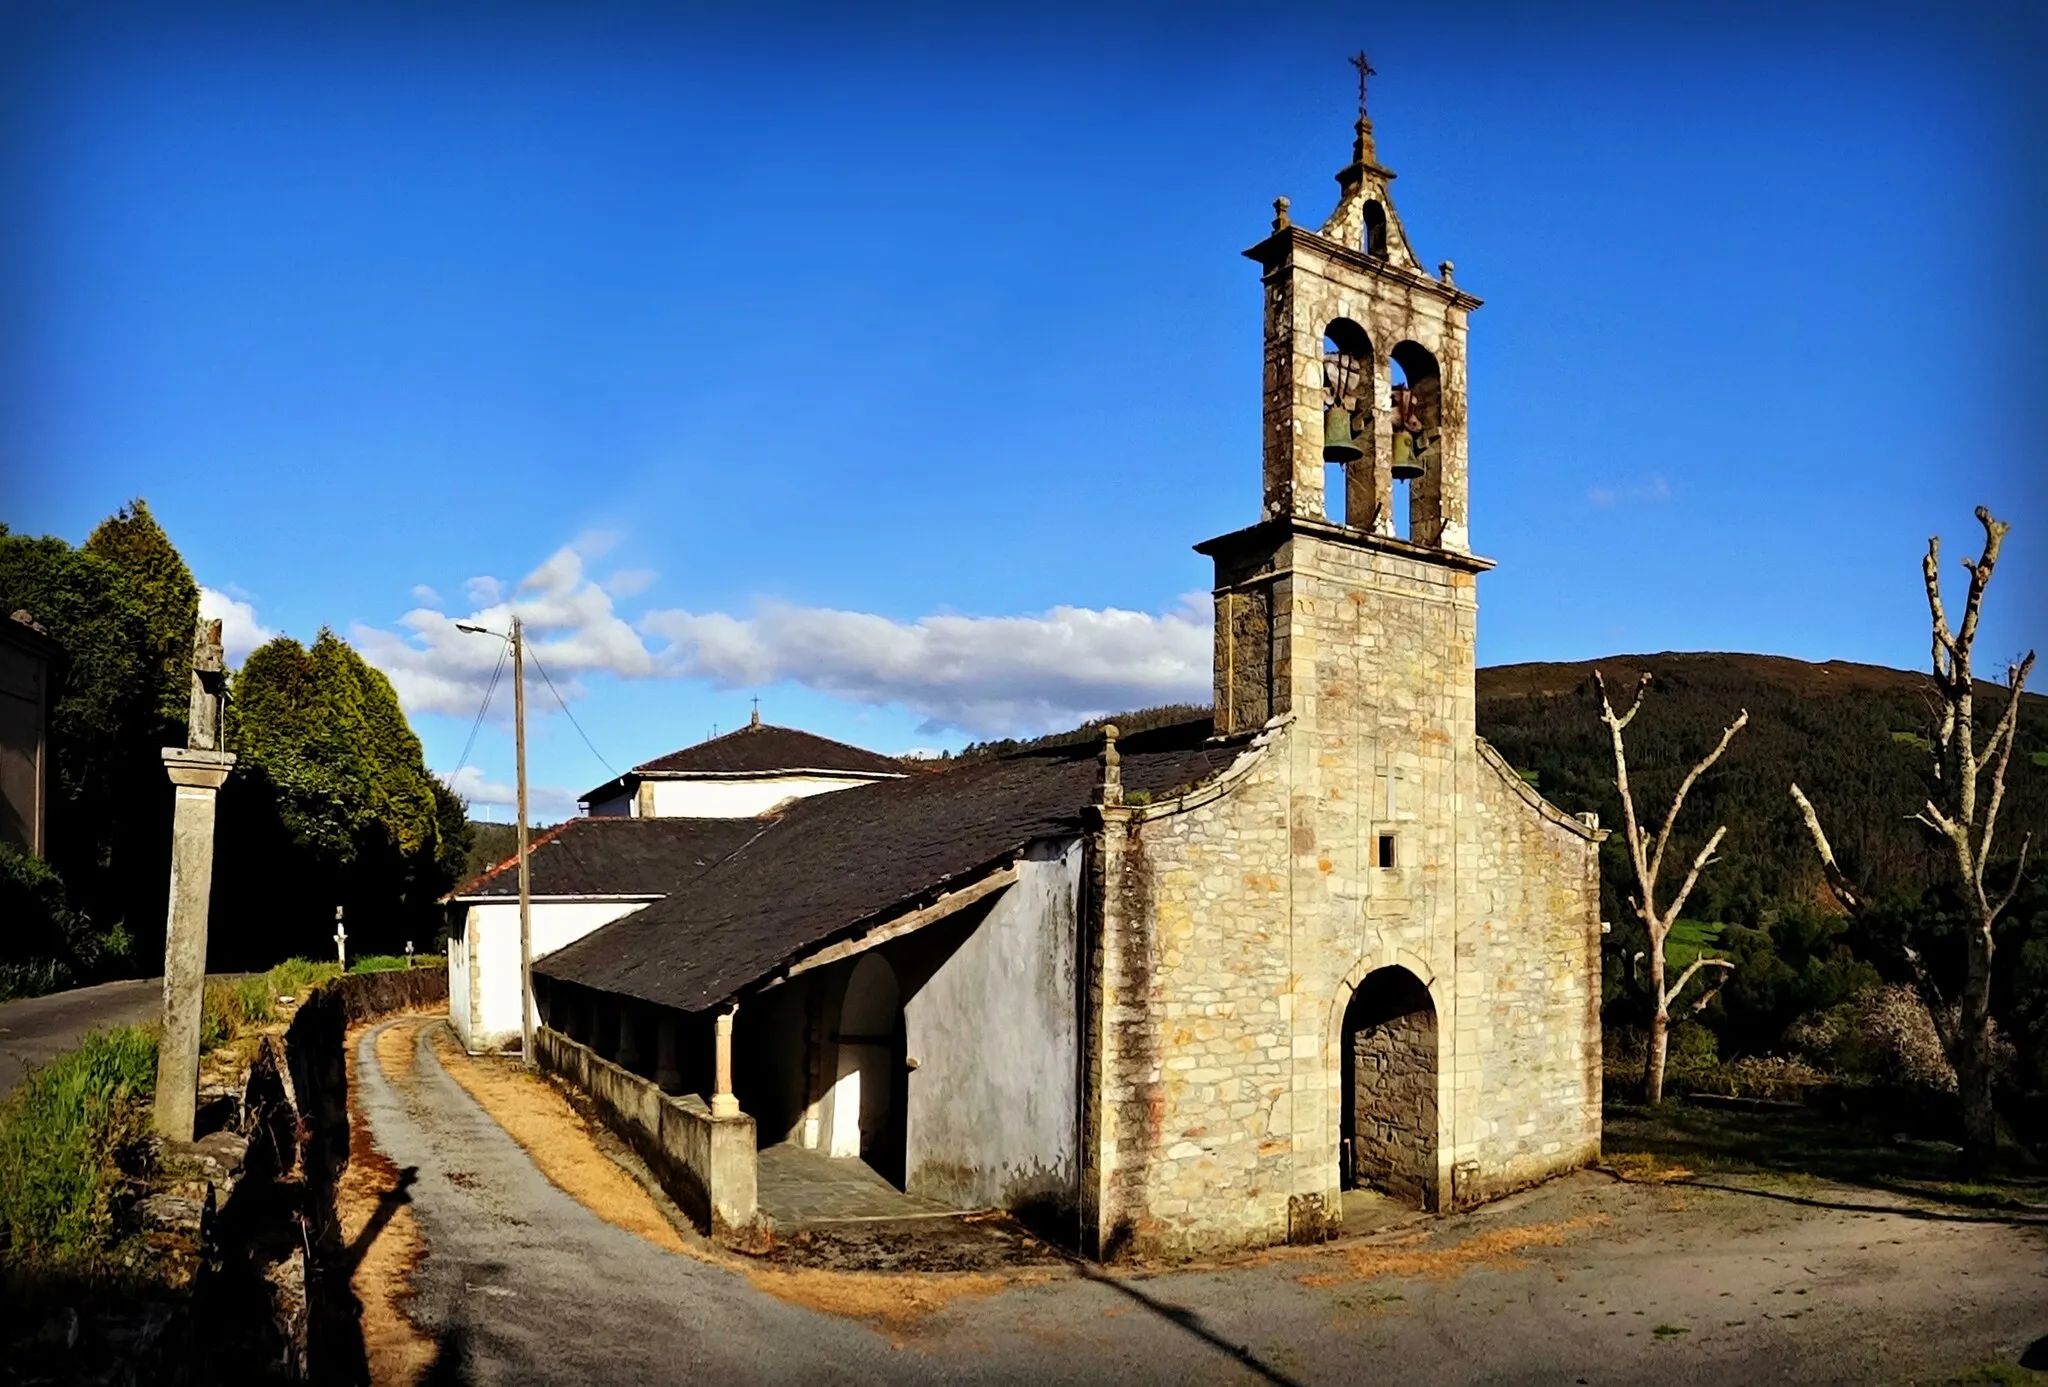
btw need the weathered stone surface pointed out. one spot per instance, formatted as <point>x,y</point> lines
<point>1367,829</point>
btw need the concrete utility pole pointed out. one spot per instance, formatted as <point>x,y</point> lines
<point>525,911</point>
<point>197,771</point>
<point>518,643</point>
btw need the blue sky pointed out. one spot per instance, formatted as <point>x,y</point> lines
<point>887,369</point>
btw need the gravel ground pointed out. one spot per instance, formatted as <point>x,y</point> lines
<point>1582,1281</point>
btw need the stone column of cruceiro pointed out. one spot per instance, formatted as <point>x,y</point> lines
<point>197,771</point>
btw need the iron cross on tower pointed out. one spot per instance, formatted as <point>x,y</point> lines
<point>1365,70</point>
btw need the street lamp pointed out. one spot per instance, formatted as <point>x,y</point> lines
<point>518,643</point>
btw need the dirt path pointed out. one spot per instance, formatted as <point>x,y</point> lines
<point>1583,1281</point>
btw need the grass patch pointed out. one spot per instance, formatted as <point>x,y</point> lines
<point>1796,1145</point>
<point>1689,939</point>
<point>1670,1331</point>
<point>232,1006</point>
<point>1997,1375</point>
<point>64,1135</point>
<point>380,963</point>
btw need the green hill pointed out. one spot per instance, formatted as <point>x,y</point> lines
<point>1853,736</point>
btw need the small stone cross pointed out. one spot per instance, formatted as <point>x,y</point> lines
<point>340,940</point>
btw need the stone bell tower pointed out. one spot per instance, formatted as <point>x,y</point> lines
<point>1358,620</point>
<point>1365,386</point>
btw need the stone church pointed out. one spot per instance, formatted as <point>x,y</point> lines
<point>1176,991</point>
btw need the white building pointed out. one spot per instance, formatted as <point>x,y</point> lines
<point>753,771</point>
<point>645,834</point>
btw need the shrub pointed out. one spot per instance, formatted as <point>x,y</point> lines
<point>232,1005</point>
<point>380,963</point>
<point>63,1135</point>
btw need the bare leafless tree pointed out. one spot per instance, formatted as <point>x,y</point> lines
<point>1963,815</point>
<point>1647,858</point>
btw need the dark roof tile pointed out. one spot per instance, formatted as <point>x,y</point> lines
<point>614,856</point>
<point>825,865</point>
<point>765,747</point>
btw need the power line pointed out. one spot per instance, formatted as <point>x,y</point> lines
<point>563,704</point>
<point>477,725</point>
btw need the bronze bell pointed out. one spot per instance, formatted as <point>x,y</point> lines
<point>1338,444</point>
<point>1408,454</point>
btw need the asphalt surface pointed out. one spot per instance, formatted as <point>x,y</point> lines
<point>520,1284</point>
<point>38,1029</point>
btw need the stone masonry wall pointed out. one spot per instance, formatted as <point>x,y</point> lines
<point>1393,1103</point>
<point>1235,923</point>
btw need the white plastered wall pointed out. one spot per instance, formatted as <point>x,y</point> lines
<point>483,965</point>
<point>738,799</point>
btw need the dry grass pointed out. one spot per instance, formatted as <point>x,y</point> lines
<point>398,1352</point>
<point>1411,1257</point>
<point>537,1116</point>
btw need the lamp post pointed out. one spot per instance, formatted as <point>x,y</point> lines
<point>518,643</point>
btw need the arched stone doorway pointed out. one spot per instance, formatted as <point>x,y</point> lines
<point>1389,1092</point>
<point>874,1077</point>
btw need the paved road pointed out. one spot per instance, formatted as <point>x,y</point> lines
<point>1640,1284</point>
<point>39,1029</point>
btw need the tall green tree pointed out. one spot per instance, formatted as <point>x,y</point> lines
<point>162,587</point>
<point>335,806</point>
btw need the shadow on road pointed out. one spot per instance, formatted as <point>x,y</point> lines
<point>1187,1321</point>
<point>1897,1210</point>
<point>387,1206</point>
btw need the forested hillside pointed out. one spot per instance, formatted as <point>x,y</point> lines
<point>1853,736</point>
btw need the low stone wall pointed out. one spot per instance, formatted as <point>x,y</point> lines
<point>705,1163</point>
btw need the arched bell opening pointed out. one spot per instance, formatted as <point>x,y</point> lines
<point>1347,424</point>
<point>1389,1135</point>
<point>1375,237</point>
<point>872,1094</point>
<point>1416,420</point>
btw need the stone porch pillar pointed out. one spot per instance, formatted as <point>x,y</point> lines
<point>723,1103</point>
<point>196,777</point>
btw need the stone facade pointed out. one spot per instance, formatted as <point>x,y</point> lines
<point>1365,828</point>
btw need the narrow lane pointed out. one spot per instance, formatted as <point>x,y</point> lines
<point>521,1284</point>
<point>36,1030</point>
<point>1579,1281</point>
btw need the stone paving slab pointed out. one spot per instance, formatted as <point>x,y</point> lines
<point>797,1188</point>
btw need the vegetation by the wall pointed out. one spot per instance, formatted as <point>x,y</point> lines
<point>69,1133</point>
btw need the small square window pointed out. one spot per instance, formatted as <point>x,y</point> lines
<point>1386,850</point>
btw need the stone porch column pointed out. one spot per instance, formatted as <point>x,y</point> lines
<point>723,1103</point>
<point>197,777</point>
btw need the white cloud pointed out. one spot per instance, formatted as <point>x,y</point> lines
<point>571,630</point>
<point>482,592</point>
<point>1654,488</point>
<point>240,632</point>
<point>422,593</point>
<point>629,582</point>
<point>985,675</point>
<point>543,802</point>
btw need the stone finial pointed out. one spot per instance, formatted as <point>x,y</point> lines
<point>1280,218</point>
<point>1110,782</point>
<point>209,688</point>
<point>23,616</point>
<point>1443,272</point>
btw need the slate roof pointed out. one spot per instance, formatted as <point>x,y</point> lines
<point>765,747</point>
<point>614,856</point>
<point>826,865</point>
